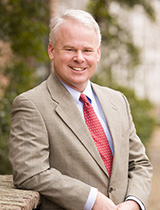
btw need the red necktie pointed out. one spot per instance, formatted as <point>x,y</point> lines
<point>97,133</point>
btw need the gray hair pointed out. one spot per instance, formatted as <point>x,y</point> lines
<point>78,15</point>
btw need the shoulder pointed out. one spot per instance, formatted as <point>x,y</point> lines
<point>37,93</point>
<point>113,94</point>
<point>110,96</point>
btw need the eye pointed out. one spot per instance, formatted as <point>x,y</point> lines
<point>69,49</point>
<point>88,50</point>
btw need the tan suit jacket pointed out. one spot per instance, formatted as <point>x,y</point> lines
<point>52,151</point>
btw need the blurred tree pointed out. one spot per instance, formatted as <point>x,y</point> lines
<point>120,53</point>
<point>24,24</point>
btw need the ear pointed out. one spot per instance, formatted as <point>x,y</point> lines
<point>50,51</point>
<point>98,54</point>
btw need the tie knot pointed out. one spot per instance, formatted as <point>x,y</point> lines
<point>83,98</point>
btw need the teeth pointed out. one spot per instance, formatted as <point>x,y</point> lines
<point>78,69</point>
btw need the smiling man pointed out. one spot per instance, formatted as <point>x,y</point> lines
<point>72,140</point>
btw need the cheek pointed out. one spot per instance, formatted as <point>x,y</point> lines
<point>65,59</point>
<point>93,61</point>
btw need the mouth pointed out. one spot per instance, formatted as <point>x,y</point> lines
<point>77,68</point>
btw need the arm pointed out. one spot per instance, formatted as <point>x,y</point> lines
<point>29,155</point>
<point>140,169</point>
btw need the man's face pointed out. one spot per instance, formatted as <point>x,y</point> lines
<point>75,54</point>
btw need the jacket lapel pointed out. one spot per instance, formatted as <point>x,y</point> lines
<point>111,113</point>
<point>69,113</point>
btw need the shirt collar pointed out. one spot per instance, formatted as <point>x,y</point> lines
<point>89,92</point>
<point>76,94</point>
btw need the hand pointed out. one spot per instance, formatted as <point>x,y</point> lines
<point>128,205</point>
<point>103,203</point>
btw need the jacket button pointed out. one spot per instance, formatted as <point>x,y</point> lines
<point>111,189</point>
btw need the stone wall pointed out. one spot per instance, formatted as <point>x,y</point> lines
<point>12,198</point>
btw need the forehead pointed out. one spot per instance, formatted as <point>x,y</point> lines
<point>73,31</point>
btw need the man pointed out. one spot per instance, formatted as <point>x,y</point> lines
<point>53,148</point>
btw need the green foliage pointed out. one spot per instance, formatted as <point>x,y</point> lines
<point>24,24</point>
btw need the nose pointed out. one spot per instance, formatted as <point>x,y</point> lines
<point>79,57</point>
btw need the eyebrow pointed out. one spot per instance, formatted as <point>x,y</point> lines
<point>72,47</point>
<point>68,46</point>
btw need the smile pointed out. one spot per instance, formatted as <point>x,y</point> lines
<point>77,68</point>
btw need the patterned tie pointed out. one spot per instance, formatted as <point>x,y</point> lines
<point>97,133</point>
